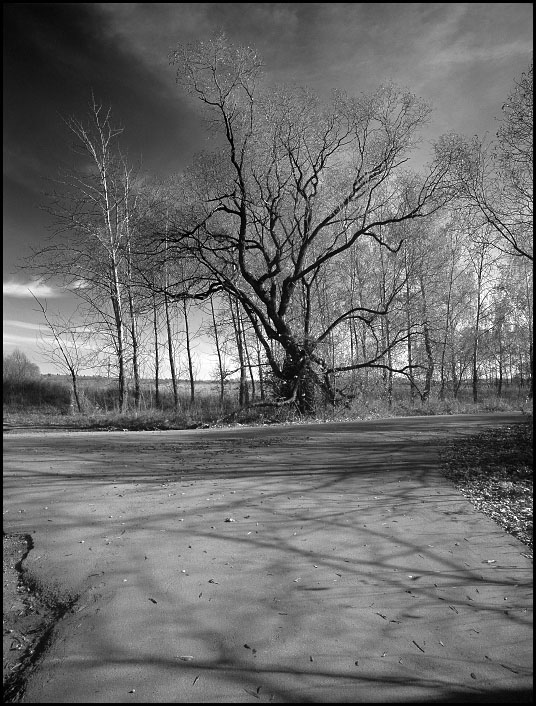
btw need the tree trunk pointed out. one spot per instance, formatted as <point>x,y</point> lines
<point>528,289</point>
<point>531,370</point>
<point>247,356</point>
<point>412,386</point>
<point>135,351</point>
<point>386,335</point>
<point>189,351</point>
<point>261,374</point>
<point>171,355</point>
<point>500,363</point>
<point>218,353</point>
<point>75,390</point>
<point>243,392</point>
<point>477,332</point>
<point>427,346</point>
<point>455,381</point>
<point>156,355</point>
<point>120,341</point>
<point>447,332</point>
<point>299,382</point>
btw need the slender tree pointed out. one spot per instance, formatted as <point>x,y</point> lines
<point>91,211</point>
<point>70,348</point>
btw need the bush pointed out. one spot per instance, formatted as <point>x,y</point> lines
<point>34,394</point>
<point>17,368</point>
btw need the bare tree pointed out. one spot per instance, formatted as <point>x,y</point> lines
<point>18,368</point>
<point>171,351</point>
<point>221,369</point>
<point>188,340</point>
<point>70,350</point>
<point>295,186</point>
<point>479,255</point>
<point>494,179</point>
<point>92,213</point>
<point>156,347</point>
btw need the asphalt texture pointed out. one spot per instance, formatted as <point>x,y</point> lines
<point>285,564</point>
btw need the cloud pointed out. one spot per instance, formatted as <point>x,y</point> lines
<point>78,284</point>
<point>21,324</point>
<point>20,341</point>
<point>24,290</point>
<point>464,55</point>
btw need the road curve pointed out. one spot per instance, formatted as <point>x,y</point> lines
<point>307,563</point>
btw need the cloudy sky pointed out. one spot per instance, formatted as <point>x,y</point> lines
<point>462,57</point>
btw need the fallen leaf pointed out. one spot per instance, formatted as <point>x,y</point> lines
<point>248,691</point>
<point>509,668</point>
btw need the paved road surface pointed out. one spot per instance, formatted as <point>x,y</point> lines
<point>318,563</point>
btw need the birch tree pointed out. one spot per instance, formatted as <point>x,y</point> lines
<point>92,210</point>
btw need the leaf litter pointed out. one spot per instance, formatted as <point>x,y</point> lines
<point>493,470</point>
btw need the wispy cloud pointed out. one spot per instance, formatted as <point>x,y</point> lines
<point>78,284</point>
<point>12,323</point>
<point>19,340</point>
<point>42,337</point>
<point>24,290</point>
<point>464,55</point>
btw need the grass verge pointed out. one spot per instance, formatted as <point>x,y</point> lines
<point>493,469</point>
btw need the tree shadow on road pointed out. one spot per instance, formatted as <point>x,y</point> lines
<point>351,548</point>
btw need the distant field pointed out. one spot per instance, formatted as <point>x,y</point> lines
<point>202,387</point>
<point>49,400</point>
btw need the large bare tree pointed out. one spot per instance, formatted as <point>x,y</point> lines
<point>292,186</point>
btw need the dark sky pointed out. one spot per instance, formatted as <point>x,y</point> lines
<point>463,57</point>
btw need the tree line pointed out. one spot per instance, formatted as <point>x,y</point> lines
<point>322,264</point>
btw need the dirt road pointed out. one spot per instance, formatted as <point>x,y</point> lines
<point>285,564</point>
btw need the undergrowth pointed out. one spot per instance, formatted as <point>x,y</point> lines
<point>209,412</point>
<point>49,403</point>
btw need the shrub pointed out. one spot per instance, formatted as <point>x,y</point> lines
<point>35,394</point>
<point>17,368</point>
